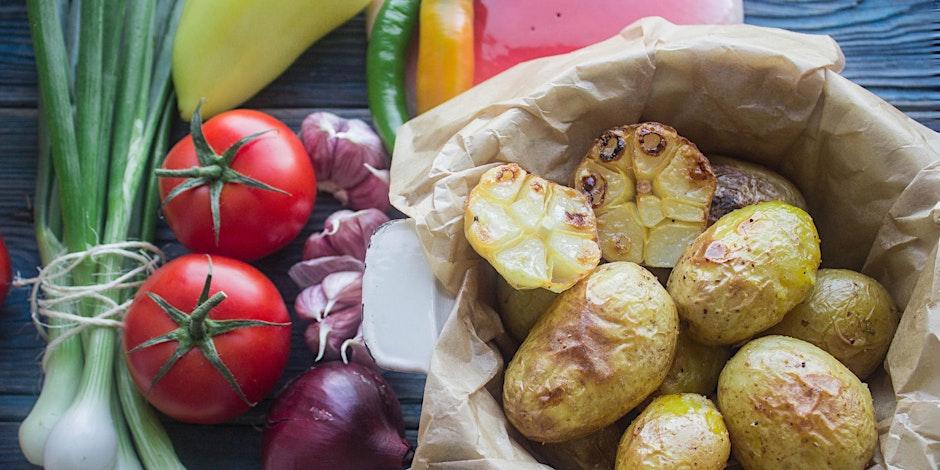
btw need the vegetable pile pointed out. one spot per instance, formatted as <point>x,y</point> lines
<point>619,345</point>
<point>206,337</point>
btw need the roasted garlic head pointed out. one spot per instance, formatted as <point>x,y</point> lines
<point>651,190</point>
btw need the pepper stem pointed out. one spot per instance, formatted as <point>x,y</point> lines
<point>214,170</point>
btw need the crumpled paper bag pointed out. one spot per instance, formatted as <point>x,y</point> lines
<point>871,177</point>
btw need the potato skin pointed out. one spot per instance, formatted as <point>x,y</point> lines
<point>848,315</point>
<point>743,183</point>
<point>790,405</point>
<point>603,347</point>
<point>745,272</point>
<point>695,368</point>
<point>519,309</point>
<point>676,431</point>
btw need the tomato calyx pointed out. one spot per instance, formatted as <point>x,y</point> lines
<point>196,330</point>
<point>214,170</point>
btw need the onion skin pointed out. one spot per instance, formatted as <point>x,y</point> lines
<point>335,416</point>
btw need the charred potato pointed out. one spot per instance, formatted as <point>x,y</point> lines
<point>848,315</point>
<point>651,190</point>
<point>534,232</point>
<point>743,183</point>
<point>743,274</point>
<point>519,309</point>
<point>603,347</point>
<point>695,368</point>
<point>676,431</point>
<point>790,405</point>
<point>596,451</point>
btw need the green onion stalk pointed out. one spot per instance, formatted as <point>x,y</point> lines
<point>105,107</point>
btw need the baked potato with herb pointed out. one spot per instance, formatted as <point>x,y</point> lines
<point>745,272</point>
<point>675,431</point>
<point>519,309</point>
<point>603,347</point>
<point>790,405</point>
<point>848,315</point>
<point>743,183</point>
<point>536,233</point>
<point>651,190</point>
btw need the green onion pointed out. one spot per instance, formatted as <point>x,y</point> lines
<point>105,107</point>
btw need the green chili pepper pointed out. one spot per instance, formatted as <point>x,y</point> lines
<point>385,66</point>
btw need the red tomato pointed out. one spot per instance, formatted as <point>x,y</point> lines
<point>253,222</point>
<point>5,273</point>
<point>194,390</point>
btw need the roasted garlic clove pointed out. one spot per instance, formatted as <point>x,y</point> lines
<point>536,233</point>
<point>651,190</point>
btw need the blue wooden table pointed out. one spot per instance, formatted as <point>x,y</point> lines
<point>892,47</point>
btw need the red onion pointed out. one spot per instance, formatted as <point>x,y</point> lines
<point>335,416</point>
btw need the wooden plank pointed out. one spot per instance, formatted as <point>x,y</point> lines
<point>331,73</point>
<point>891,46</point>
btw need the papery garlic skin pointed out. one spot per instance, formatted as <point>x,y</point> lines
<point>314,271</point>
<point>337,291</point>
<point>349,159</point>
<point>345,233</point>
<point>326,337</point>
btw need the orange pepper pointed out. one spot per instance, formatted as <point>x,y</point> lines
<point>445,51</point>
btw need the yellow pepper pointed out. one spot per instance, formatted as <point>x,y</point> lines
<point>227,50</point>
<point>445,51</point>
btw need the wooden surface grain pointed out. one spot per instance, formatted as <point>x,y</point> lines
<point>892,47</point>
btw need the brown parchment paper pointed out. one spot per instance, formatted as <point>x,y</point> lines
<point>870,174</point>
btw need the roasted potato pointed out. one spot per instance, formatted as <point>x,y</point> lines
<point>743,274</point>
<point>790,405</point>
<point>743,183</point>
<point>675,431</point>
<point>519,309</point>
<point>596,451</point>
<point>695,368</point>
<point>534,232</point>
<point>603,347</point>
<point>651,190</point>
<point>848,315</point>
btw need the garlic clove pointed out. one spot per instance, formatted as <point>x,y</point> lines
<point>311,272</point>
<point>342,289</point>
<point>371,192</point>
<point>346,154</point>
<point>310,303</point>
<point>326,337</point>
<point>345,233</point>
<point>355,350</point>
